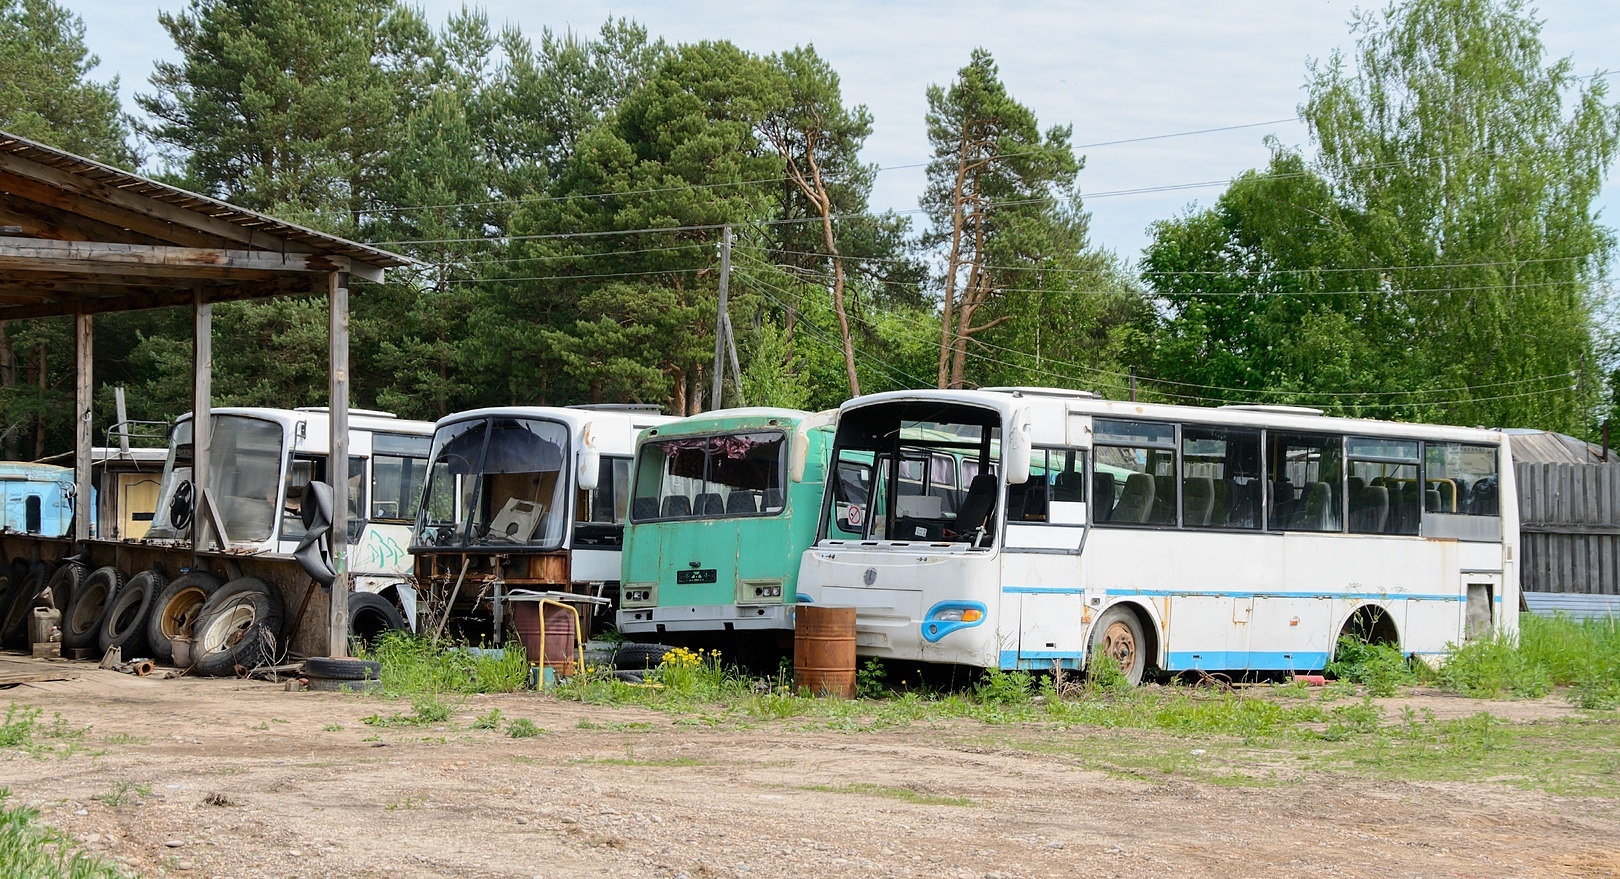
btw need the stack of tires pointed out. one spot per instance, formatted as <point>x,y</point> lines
<point>229,627</point>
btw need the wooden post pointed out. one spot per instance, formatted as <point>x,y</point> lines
<point>84,437</point>
<point>337,467</point>
<point>202,421</point>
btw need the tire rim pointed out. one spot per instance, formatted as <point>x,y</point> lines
<point>88,610</point>
<point>226,628</point>
<point>1119,642</point>
<point>180,614</point>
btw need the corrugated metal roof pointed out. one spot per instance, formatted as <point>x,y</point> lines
<point>1547,447</point>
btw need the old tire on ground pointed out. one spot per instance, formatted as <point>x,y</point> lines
<point>81,619</point>
<point>65,582</point>
<point>1118,633</point>
<point>174,610</point>
<point>337,668</point>
<point>639,657</point>
<point>370,615</point>
<point>334,685</point>
<point>124,624</point>
<point>240,625</point>
<point>24,595</point>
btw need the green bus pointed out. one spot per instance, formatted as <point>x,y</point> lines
<point>722,506</point>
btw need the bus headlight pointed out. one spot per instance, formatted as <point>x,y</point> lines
<point>948,616</point>
<point>638,594</point>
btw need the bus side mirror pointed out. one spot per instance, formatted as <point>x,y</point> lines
<point>1016,448</point>
<point>590,462</point>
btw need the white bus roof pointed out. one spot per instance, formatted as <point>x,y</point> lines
<point>612,430</point>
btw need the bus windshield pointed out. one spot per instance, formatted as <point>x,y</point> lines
<point>244,474</point>
<point>497,482</point>
<point>710,477</point>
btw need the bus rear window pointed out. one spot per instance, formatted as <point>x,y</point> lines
<point>710,477</point>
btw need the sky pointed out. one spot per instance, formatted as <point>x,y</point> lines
<point>1144,83</point>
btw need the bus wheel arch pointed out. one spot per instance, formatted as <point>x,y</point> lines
<point>1126,632</point>
<point>1370,624</point>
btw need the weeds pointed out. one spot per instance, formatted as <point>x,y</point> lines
<point>426,711</point>
<point>21,729</point>
<point>904,794</point>
<point>522,728</point>
<point>30,849</point>
<point>413,666</point>
<point>125,792</point>
<point>870,680</point>
<point>1381,668</point>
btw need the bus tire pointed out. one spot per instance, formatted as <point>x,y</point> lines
<point>65,583</point>
<point>174,609</point>
<point>370,615</point>
<point>24,595</point>
<point>124,623</point>
<point>81,619</point>
<point>238,627</point>
<point>338,668</point>
<point>639,657</point>
<point>1118,633</point>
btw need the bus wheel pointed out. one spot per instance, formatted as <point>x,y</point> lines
<point>1118,633</point>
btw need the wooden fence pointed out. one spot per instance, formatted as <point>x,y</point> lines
<point>1569,527</point>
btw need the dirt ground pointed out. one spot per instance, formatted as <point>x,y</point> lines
<point>244,779</point>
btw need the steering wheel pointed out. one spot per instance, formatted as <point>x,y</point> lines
<point>181,508</point>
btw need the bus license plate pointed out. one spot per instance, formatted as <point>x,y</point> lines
<point>702,575</point>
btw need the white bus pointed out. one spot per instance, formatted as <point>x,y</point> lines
<point>1243,538</point>
<point>261,459</point>
<point>525,497</point>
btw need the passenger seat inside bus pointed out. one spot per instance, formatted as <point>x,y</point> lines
<point>772,500</point>
<point>741,503</point>
<point>1197,500</point>
<point>1136,501</point>
<point>1102,495</point>
<point>676,506</point>
<point>710,504</point>
<point>977,506</point>
<point>1369,510</point>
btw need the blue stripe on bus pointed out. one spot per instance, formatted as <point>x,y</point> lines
<point>1274,660</point>
<point>1236,593</point>
<point>1039,661</point>
<point>1043,590</point>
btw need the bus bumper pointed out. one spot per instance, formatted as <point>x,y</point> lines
<point>705,618</point>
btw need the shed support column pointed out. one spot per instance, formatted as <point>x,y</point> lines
<point>84,510</point>
<point>338,465</point>
<point>202,420</point>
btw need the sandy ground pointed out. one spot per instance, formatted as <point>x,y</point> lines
<point>244,779</point>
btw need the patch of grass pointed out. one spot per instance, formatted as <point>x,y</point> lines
<point>522,728</point>
<point>414,666</point>
<point>1381,668</point>
<point>492,720</point>
<point>903,794</point>
<point>408,803</point>
<point>426,711</point>
<point>1493,668</point>
<point>124,792</point>
<point>333,727</point>
<point>630,759</point>
<point>21,729</point>
<point>30,850</point>
<point>871,680</point>
<point>123,739</point>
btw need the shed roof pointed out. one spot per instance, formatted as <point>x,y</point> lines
<point>80,236</point>
<point>1547,447</point>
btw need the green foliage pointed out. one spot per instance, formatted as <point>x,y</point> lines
<point>414,665</point>
<point>426,710</point>
<point>45,90</point>
<point>1381,668</point>
<point>124,792</point>
<point>870,680</point>
<point>492,720</point>
<point>1493,668</point>
<point>997,687</point>
<point>31,850</point>
<point>522,728</point>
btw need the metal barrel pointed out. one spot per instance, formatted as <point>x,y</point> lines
<point>824,650</point>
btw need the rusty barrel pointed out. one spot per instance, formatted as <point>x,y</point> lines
<point>824,650</point>
<point>557,652</point>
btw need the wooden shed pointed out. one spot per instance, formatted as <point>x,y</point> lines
<point>81,238</point>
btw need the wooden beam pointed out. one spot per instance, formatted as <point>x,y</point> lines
<point>39,221</point>
<point>27,254</point>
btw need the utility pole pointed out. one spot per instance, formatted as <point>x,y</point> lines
<point>722,324</point>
